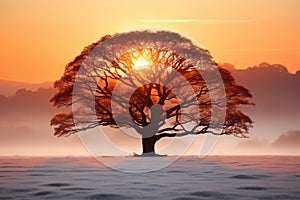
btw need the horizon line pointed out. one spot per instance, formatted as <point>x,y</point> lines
<point>125,156</point>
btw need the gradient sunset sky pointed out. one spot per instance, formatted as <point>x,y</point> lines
<point>38,38</point>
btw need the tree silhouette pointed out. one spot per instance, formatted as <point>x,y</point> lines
<point>153,90</point>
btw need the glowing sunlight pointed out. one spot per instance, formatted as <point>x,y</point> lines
<point>141,63</point>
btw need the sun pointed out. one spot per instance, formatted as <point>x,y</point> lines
<point>141,62</point>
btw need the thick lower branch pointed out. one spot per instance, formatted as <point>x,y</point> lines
<point>181,134</point>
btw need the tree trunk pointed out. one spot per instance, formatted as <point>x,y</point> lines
<point>149,145</point>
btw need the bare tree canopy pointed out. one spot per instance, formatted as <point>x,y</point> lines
<point>157,83</point>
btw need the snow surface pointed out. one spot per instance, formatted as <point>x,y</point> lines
<point>218,177</point>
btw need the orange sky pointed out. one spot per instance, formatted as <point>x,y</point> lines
<point>38,38</point>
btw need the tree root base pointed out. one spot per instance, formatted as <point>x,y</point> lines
<point>151,154</point>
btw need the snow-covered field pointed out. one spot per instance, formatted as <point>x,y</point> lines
<point>221,177</point>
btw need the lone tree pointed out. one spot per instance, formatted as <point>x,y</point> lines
<point>159,84</point>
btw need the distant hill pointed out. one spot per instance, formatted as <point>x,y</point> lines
<point>276,92</point>
<point>8,88</point>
